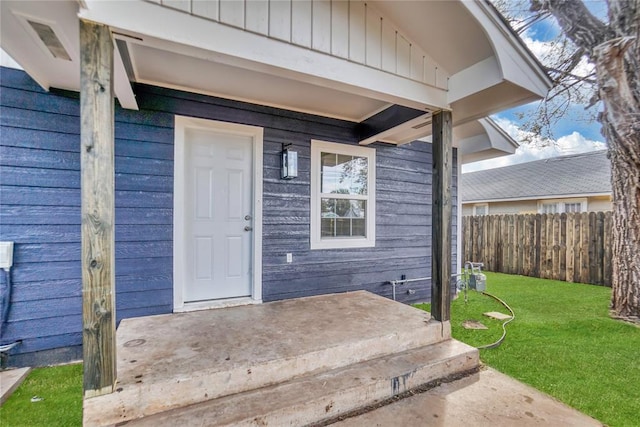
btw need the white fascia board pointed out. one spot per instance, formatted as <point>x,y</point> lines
<point>182,33</point>
<point>517,63</point>
<point>474,144</point>
<point>500,140</point>
<point>390,133</point>
<point>27,65</point>
<point>7,61</point>
<point>490,137</point>
<point>540,197</point>
<point>121,85</point>
<point>474,79</point>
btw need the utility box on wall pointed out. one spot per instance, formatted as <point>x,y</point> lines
<point>6,255</point>
<point>478,282</point>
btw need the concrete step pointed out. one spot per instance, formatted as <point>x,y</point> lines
<point>171,361</point>
<point>312,399</point>
<point>486,399</point>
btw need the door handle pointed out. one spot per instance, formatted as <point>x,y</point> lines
<point>247,217</point>
<point>248,228</point>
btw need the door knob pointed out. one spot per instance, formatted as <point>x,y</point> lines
<point>248,228</point>
<point>247,217</point>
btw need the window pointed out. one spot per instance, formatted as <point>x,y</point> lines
<point>549,208</point>
<point>481,209</point>
<point>342,196</point>
<point>560,206</point>
<point>573,207</point>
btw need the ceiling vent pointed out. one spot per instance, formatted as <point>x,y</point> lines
<point>50,40</point>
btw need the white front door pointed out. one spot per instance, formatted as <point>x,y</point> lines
<point>218,214</point>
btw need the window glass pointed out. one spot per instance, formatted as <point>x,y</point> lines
<point>481,209</point>
<point>342,174</point>
<point>573,207</point>
<point>342,203</point>
<point>343,218</point>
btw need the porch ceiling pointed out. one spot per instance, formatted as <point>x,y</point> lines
<point>429,24</point>
<point>151,66</point>
<point>482,139</point>
<point>151,52</point>
<point>144,59</point>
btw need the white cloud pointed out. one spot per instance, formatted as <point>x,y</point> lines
<point>537,149</point>
<point>549,52</point>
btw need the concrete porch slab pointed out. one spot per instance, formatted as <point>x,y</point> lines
<point>170,361</point>
<point>487,399</point>
<point>311,399</point>
<point>10,380</point>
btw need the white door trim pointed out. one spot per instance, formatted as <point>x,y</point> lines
<point>183,123</point>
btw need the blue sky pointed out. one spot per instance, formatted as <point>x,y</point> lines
<point>571,134</point>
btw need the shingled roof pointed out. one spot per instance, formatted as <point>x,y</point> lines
<point>575,175</point>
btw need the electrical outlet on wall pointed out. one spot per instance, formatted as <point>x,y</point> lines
<point>289,258</point>
<point>6,254</point>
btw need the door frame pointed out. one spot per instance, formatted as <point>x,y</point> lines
<point>182,123</point>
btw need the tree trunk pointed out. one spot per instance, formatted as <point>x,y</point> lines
<point>625,281</point>
<point>621,128</point>
<point>614,48</point>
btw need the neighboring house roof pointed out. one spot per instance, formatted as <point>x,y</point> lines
<point>574,175</point>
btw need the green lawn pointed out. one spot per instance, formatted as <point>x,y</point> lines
<point>59,387</point>
<point>562,342</point>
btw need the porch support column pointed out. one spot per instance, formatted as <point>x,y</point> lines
<point>441,216</point>
<point>98,212</point>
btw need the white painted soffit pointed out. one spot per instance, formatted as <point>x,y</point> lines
<point>511,76</point>
<point>490,69</point>
<point>56,65</point>
<point>180,33</point>
<point>482,139</point>
<point>166,42</point>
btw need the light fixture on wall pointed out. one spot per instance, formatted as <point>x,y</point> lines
<point>289,162</point>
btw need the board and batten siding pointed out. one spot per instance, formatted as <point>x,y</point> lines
<point>347,29</point>
<point>40,179</point>
<point>40,198</point>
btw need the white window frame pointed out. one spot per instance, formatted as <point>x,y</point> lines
<point>560,204</point>
<point>478,205</point>
<point>316,241</point>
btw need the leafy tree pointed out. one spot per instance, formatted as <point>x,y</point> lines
<point>612,47</point>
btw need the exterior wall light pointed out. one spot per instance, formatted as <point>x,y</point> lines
<point>289,162</point>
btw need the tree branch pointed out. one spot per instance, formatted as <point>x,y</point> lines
<point>583,29</point>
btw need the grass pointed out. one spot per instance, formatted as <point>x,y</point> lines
<point>562,342</point>
<point>60,388</point>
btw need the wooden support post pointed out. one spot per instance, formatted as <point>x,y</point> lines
<point>98,213</point>
<point>441,216</point>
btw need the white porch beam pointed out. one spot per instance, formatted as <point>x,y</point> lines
<point>122,86</point>
<point>474,79</point>
<point>98,212</point>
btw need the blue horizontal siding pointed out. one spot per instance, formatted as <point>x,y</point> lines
<point>40,181</point>
<point>40,196</point>
<point>403,202</point>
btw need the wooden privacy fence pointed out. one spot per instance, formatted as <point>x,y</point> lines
<point>574,247</point>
